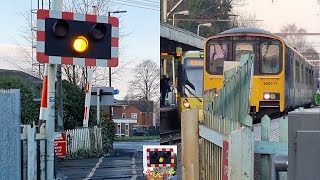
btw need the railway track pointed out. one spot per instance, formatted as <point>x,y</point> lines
<point>170,137</point>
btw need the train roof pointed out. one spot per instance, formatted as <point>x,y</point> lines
<point>246,30</point>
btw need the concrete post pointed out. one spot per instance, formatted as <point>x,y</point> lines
<point>190,144</point>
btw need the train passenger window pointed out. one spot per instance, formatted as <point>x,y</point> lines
<point>218,53</point>
<point>243,52</point>
<point>270,59</point>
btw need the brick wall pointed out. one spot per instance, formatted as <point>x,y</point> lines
<point>142,118</point>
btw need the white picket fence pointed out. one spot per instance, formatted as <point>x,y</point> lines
<point>84,139</point>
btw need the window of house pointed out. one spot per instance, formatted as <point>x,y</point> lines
<point>123,115</point>
<point>119,128</point>
<point>134,115</point>
<point>127,129</point>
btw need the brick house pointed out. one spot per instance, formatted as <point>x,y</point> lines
<point>130,114</point>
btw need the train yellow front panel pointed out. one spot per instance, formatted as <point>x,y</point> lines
<point>263,84</point>
<point>211,82</point>
<point>194,104</point>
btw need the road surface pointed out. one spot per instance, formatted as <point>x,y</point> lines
<point>125,163</point>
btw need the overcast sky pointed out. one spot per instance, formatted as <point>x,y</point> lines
<point>275,13</point>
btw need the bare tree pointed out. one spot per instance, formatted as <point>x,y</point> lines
<point>146,83</point>
<point>311,54</point>
<point>245,19</point>
<point>298,41</point>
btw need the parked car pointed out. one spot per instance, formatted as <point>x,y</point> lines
<point>140,132</point>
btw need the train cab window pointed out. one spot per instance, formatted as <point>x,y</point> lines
<point>244,52</point>
<point>218,53</point>
<point>270,58</point>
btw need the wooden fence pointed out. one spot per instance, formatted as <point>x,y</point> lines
<point>228,144</point>
<point>268,148</point>
<point>84,139</point>
<point>226,129</point>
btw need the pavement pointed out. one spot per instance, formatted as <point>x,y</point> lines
<point>126,162</point>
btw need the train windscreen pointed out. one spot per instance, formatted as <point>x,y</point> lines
<point>193,78</point>
<point>270,58</point>
<point>265,52</point>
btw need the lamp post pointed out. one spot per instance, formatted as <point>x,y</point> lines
<point>205,24</point>
<point>109,13</point>
<point>186,13</point>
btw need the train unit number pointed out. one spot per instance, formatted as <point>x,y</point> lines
<point>270,83</point>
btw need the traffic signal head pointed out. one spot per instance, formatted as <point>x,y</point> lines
<point>78,39</point>
<point>160,157</point>
<point>71,38</point>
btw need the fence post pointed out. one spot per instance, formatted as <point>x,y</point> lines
<point>265,158</point>
<point>25,152</point>
<point>283,138</point>
<point>31,153</point>
<point>190,144</point>
<point>42,155</point>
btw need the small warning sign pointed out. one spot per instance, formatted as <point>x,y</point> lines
<point>60,145</point>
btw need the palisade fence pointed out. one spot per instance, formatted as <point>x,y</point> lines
<point>228,146</point>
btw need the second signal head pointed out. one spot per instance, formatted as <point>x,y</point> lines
<point>98,31</point>
<point>60,28</point>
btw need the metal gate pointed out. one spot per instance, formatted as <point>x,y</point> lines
<point>227,151</point>
<point>10,148</point>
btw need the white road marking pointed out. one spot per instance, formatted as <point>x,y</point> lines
<point>93,170</point>
<point>134,172</point>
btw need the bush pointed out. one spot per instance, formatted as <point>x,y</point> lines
<point>29,109</point>
<point>108,131</point>
<point>73,106</point>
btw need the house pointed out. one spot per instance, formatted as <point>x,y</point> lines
<point>132,114</point>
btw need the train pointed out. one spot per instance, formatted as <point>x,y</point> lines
<point>190,82</point>
<point>282,78</point>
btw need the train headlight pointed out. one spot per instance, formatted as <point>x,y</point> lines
<point>186,103</point>
<point>271,96</point>
<point>266,96</point>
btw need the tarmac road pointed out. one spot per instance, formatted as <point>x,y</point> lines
<point>125,163</point>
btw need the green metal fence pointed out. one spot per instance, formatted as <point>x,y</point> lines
<point>226,129</point>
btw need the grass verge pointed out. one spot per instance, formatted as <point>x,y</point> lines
<point>136,138</point>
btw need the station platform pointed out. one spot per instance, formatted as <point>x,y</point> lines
<point>168,108</point>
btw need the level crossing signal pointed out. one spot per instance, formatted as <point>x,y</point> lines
<point>77,39</point>
<point>160,157</point>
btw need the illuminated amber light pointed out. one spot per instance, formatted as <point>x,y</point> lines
<point>196,63</point>
<point>161,160</point>
<point>80,44</point>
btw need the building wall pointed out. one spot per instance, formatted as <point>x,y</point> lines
<point>142,118</point>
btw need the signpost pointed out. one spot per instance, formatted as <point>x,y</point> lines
<point>102,96</point>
